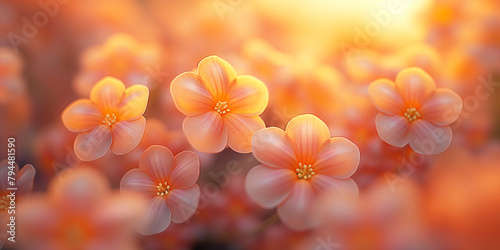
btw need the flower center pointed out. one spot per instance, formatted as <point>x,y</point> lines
<point>163,189</point>
<point>412,114</point>
<point>221,107</point>
<point>304,171</point>
<point>4,202</point>
<point>109,119</point>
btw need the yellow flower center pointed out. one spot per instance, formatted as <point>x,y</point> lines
<point>412,114</point>
<point>222,107</point>
<point>109,119</point>
<point>163,189</point>
<point>304,171</point>
<point>4,202</point>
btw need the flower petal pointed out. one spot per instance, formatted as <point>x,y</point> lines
<point>183,203</point>
<point>157,218</point>
<point>385,97</point>
<point>322,184</point>
<point>94,144</point>
<point>127,135</point>
<point>138,181</point>
<point>268,187</point>
<point>271,147</point>
<point>394,130</point>
<point>307,133</point>
<point>415,85</point>
<point>134,102</point>
<point>157,162</point>
<point>240,130</point>
<point>442,108</point>
<point>216,74</point>
<point>338,158</point>
<point>107,94</point>
<point>25,179</point>
<point>429,139</point>
<point>81,115</point>
<point>186,171</point>
<point>190,96</point>
<point>206,132</point>
<point>296,208</point>
<point>248,96</point>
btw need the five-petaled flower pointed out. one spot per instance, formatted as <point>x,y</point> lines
<point>170,185</point>
<point>111,118</point>
<point>221,108</point>
<point>414,112</point>
<point>298,165</point>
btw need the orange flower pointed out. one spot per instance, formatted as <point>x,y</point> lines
<point>111,118</point>
<point>221,108</point>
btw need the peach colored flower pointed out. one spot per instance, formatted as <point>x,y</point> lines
<point>170,185</point>
<point>221,108</point>
<point>79,211</point>
<point>414,112</point>
<point>297,165</point>
<point>111,118</point>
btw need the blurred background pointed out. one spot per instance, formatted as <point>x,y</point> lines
<point>315,57</point>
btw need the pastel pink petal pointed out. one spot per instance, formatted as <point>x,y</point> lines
<point>307,134</point>
<point>81,115</point>
<point>183,203</point>
<point>25,179</point>
<point>186,171</point>
<point>158,162</point>
<point>322,184</point>
<point>134,102</point>
<point>4,174</point>
<point>269,187</point>
<point>127,135</point>
<point>216,74</point>
<point>94,144</point>
<point>206,132</point>
<point>108,94</point>
<point>429,139</point>
<point>338,158</point>
<point>273,148</point>
<point>157,217</point>
<point>385,97</point>
<point>138,181</point>
<point>442,108</point>
<point>248,96</point>
<point>240,130</point>
<point>190,96</point>
<point>394,130</point>
<point>415,85</point>
<point>296,209</point>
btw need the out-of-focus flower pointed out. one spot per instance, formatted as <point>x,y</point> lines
<point>414,112</point>
<point>121,56</point>
<point>111,118</point>
<point>24,184</point>
<point>170,185</point>
<point>79,211</point>
<point>221,108</point>
<point>297,165</point>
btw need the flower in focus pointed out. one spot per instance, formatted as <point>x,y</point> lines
<point>170,185</point>
<point>111,118</point>
<point>79,211</point>
<point>297,165</point>
<point>414,112</point>
<point>221,108</point>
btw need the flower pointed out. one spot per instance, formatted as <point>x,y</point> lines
<point>414,112</point>
<point>111,118</point>
<point>79,211</point>
<point>170,185</point>
<point>297,165</point>
<point>221,108</point>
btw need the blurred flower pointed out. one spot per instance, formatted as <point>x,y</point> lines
<point>221,108</point>
<point>414,112</point>
<point>79,211</point>
<point>111,118</point>
<point>298,164</point>
<point>170,185</point>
